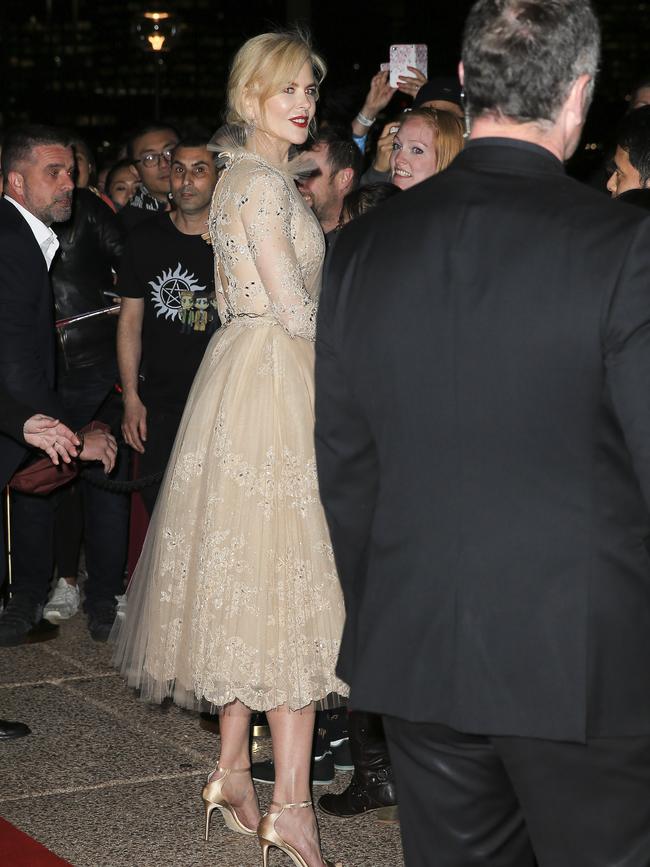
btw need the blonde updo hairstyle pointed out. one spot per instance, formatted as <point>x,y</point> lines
<point>262,67</point>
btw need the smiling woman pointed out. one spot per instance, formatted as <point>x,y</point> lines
<point>236,600</point>
<point>425,144</point>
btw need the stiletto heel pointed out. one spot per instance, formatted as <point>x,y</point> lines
<point>268,836</point>
<point>213,797</point>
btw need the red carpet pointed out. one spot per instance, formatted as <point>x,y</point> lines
<point>19,850</point>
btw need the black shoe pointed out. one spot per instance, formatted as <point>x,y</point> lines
<point>372,786</point>
<point>100,620</point>
<point>342,755</point>
<point>322,770</point>
<point>11,730</point>
<point>17,620</point>
<point>337,724</point>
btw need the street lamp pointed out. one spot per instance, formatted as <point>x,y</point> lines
<point>156,32</point>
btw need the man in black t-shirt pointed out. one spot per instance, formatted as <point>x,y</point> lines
<point>166,281</point>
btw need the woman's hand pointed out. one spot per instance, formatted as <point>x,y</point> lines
<point>385,147</point>
<point>410,84</point>
<point>377,98</point>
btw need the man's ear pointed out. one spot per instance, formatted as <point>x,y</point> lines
<point>345,179</point>
<point>579,98</point>
<point>14,181</point>
<point>461,74</point>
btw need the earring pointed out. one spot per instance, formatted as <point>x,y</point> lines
<point>249,129</point>
<point>468,119</point>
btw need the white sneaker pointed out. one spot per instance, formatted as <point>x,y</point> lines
<point>120,611</point>
<point>63,603</point>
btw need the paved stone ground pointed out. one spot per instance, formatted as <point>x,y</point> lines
<point>107,781</point>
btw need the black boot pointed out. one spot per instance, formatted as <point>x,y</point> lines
<point>372,785</point>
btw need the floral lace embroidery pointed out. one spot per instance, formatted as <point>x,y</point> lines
<point>268,246</point>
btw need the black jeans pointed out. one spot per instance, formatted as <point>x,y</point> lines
<point>162,425</point>
<point>513,802</point>
<point>105,514</point>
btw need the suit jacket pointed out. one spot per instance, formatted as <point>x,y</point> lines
<point>13,415</point>
<point>26,329</point>
<point>483,447</point>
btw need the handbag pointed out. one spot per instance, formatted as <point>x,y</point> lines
<point>41,476</point>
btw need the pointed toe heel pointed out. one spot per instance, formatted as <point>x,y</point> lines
<point>213,798</point>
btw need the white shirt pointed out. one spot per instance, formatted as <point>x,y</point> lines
<point>45,237</point>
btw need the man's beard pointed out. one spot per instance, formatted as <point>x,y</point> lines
<point>59,211</point>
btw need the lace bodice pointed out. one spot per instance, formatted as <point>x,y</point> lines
<point>268,245</point>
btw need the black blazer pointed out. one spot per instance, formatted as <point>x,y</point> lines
<point>483,446</point>
<point>26,329</point>
<point>13,415</point>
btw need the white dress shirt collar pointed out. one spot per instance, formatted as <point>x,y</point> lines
<point>45,237</point>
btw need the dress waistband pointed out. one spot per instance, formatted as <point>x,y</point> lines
<point>252,319</point>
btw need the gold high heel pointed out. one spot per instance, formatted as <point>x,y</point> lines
<point>268,837</point>
<point>213,796</point>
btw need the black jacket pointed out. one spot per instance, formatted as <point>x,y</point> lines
<point>13,415</point>
<point>26,329</point>
<point>483,446</point>
<point>91,245</point>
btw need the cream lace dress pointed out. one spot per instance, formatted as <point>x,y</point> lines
<point>236,594</point>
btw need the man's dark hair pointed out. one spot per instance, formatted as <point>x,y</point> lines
<point>158,126</point>
<point>634,137</point>
<point>638,85</point>
<point>21,140</point>
<point>363,199</point>
<point>342,152</point>
<point>192,141</point>
<point>522,56</point>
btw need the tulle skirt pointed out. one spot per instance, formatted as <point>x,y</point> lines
<point>236,595</point>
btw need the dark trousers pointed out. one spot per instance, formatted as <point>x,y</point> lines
<point>516,802</point>
<point>162,425</point>
<point>105,514</point>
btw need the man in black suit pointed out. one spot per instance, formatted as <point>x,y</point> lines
<point>483,446</point>
<point>38,167</point>
<point>60,444</point>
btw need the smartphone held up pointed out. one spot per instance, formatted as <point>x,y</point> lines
<point>403,56</point>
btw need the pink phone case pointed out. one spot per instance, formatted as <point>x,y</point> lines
<point>403,56</point>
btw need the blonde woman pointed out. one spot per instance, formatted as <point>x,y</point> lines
<point>236,600</point>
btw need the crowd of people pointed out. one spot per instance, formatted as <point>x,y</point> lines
<point>423,491</point>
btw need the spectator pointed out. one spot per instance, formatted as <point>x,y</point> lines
<point>427,142</point>
<point>38,166</point>
<point>82,276</point>
<point>338,168</point>
<point>150,148</point>
<point>632,157</point>
<point>167,318</point>
<point>122,183</point>
<point>364,199</point>
<point>443,94</point>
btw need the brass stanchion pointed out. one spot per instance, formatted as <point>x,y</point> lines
<point>6,585</point>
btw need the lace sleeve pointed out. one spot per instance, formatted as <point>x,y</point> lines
<point>266,216</point>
